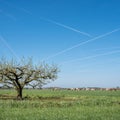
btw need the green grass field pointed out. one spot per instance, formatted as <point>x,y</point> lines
<point>60,105</point>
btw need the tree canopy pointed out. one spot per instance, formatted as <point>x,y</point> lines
<point>25,73</point>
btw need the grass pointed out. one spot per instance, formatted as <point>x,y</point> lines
<point>60,105</point>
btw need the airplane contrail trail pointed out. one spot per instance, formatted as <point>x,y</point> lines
<point>15,7</point>
<point>50,21</point>
<point>98,49</point>
<point>8,46</point>
<point>90,57</point>
<point>82,43</point>
<point>8,15</point>
<point>67,27</point>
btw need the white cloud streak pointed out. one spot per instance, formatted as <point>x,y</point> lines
<point>49,20</point>
<point>67,27</point>
<point>107,48</point>
<point>82,43</point>
<point>90,57</point>
<point>8,15</point>
<point>8,46</point>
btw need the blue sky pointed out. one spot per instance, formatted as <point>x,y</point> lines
<point>81,36</point>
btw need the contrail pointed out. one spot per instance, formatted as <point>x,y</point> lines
<point>49,20</point>
<point>67,27</point>
<point>90,57</point>
<point>82,43</point>
<point>105,48</point>
<point>8,15</point>
<point>8,46</point>
<point>70,28</point>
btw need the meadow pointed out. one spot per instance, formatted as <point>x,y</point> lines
<point>60,105</point>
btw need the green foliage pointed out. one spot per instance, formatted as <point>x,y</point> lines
<point>61,105</point>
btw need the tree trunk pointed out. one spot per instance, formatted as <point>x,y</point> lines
<point>19,94</point>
